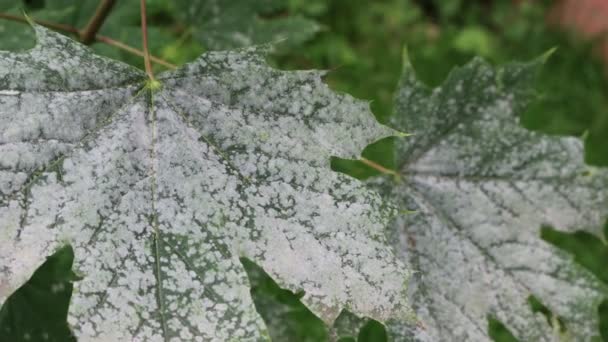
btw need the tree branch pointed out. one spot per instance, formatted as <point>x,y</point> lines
<point>87,36</point>
<point>99,38</point>
<point>54,26</point>
<point>130,49</point>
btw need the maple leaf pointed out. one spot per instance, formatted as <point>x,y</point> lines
<point>38,310</point>
<point>230,24</point>
<point>161,188</point>
<point>478,188</point>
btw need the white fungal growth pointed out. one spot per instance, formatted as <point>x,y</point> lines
<point>161,192</point>
<point>478,187</point>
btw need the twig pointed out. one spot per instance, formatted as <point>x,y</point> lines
<point>144,31</point>
<point>54,26</point>
<point>379,167</point>
<point>123,46</point>
<point>87,36</point>
<point>99,38</point>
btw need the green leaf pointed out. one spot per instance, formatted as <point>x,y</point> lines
<point>373,331</point>
<point>554,321</point>
<point>221,25</point>
<point>122,24</point>
<point>6,5</point>
<point>38,310</point>
<point>285,316</point>
<point>478,187</point>
<point>15,36</point>
<point>160,190</point>
<point>603,311</point>
<point>34,4</point>
<point>288,319</point>
<point>347,326</point>
<point>586,248</point>
<point>498,332</point>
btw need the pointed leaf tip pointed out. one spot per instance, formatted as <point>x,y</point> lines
<point>406,62</point>
<point>545,56</point>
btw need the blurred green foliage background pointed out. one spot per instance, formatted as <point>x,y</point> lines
<point>361,42</point>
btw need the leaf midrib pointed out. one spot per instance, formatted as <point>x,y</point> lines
<point>154,219</point>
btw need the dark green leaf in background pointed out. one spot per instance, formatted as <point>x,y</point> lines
<point>286,317</point>
<point>498,332</point>
<point>587,249</point>
<point>373,331</point>
<point>38,310</point>
<point>221,25</point>
<point>603,311</point>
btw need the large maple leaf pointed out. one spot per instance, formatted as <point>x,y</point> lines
<point>160,190</point>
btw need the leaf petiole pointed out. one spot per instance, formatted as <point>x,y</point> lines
<point>144,33</point>
<point>380,168</point>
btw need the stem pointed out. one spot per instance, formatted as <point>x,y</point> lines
<point>379,167</point>
<point>87,36</point>
<point>144,31</point>
<point>123,46</point>
<point>54,26</point>
<point>99,38</point>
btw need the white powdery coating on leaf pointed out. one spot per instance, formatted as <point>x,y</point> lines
<point>481,187</point>
<point>277,130</point>
<point>160,193</point>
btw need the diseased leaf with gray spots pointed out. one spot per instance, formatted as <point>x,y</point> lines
<point>160,190</point>
<point>220,25</point>
<point>479,187</point>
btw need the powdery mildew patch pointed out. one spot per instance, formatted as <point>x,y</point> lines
<point>160,192</point>
<point>480,187</point>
